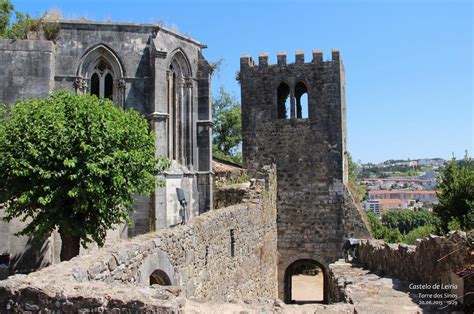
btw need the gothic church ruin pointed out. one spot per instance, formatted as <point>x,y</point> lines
<point>151,69</point>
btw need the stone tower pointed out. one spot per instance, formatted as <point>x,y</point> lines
<point>306,140</point>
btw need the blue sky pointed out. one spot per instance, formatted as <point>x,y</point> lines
<point>409,64</point>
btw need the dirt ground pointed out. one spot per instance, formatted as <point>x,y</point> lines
<point>307,288</point>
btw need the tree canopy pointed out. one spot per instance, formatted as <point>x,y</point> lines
<point>456,195</point>
<point>413,225</point>
<point>24,26</point>
<point>406,220</point>
<point>227,129</point>
<point>74,163</point>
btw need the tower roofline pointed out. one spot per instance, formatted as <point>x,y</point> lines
<point>317,54</point>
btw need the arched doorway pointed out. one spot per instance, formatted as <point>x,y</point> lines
<point>306,282</point>
<point>159,277</point>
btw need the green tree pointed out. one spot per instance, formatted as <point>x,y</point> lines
<point>6,9</point>
<point>406,220</point>
<point>392,235</point>
<point>376,228</point>
<point>227,126</point>
<point>418,233</point>
<point>43,27</point>
<point>456,195</point>
<point>74,163</point>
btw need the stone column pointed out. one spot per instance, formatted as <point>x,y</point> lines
<point>181,121</point>
<point>190,122</point>
<point>292,102</point>
<point>161,125</point>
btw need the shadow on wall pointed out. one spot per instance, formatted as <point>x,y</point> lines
<point>35,255</point>
<point>138,91</point>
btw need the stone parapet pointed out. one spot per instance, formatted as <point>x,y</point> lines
<point>433,262</point>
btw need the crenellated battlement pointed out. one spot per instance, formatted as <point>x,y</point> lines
<point>317,57</point>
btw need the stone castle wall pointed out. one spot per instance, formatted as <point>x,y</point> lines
<point>226,254</point>
<point>432,261</point>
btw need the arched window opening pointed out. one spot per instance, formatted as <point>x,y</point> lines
<point>100,73</point>
<point>305,282</point>
<point>102,80</point>
<point>180,103</point>
<point>108,86</point>
<point>95,85</point>
<point>301,95</point>
<point>283,101</point>
<point>159,277</point>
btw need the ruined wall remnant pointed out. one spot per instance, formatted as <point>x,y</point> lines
<point>435,260</point>
<point>225,254</point>
<point>231,183</point>
<point>27,69</point>
<point>307,143</point>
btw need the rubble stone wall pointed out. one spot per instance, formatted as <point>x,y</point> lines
<point>227,254</point>
<point>444,261</point>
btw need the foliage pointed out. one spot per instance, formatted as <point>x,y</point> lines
<point>392,234</point>
<point>226,125</point>
<point>358,191</point>
<point>74,163</point>
<point>236,158</point>
<point>406,220</point>
<point>376,228</point>
<point>456,195</point>
<point>44,27</point>
<point>6,9</point>
<point>418,233</point>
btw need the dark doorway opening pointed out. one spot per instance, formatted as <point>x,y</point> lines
<point>306,282</point>
<point>159,277</point>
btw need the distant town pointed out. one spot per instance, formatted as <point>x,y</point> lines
<point>399,184</point>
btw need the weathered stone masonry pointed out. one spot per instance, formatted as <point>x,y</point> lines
<point>315,209</point>
<point>447,260</point>
<point>227,254</point>
<point>149,68</point>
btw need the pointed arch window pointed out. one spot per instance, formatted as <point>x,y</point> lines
<point>102,81</point>
<point>180,109</point>
<point>101,73</point>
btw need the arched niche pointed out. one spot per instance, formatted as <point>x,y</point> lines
<point>160,277</point>
<point>157,269</point>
